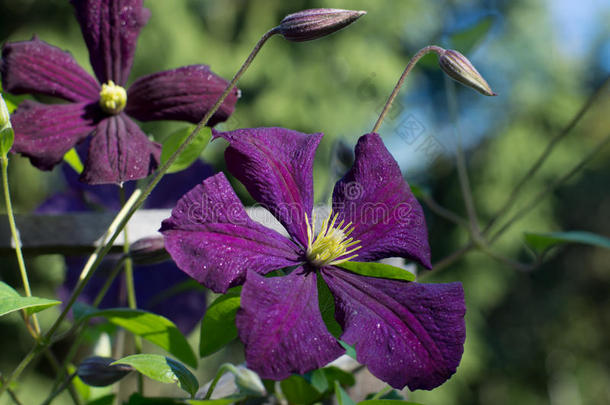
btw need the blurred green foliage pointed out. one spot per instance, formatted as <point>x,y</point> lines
<point>532,338</point>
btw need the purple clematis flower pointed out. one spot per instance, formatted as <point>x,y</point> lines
<point>160,288</point>
<point>408,334</point>
<point>119,151</point>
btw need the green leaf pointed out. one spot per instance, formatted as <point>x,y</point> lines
<point>192,151</point>
<point>386,402</point>
<point>220,401</point>
<point>11,301</point>
<point>543,241</point>
<point>105,400</point>
<point>334,374</point>
<point>72,158</point>
<point>466,40</point>
<point>319,380</point>
<point>341,395</point>
<point>349,349</point>
<point>324,379</point>
<point>298,391</point>
<point>326,303</point>
<point>152,327</point>
<point>163,369</point>
<point>218,324</point>
<point>380,270</point>
<point>7,137</point>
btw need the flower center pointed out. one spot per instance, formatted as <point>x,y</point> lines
<point>112,98</point>
<point>331,245</point>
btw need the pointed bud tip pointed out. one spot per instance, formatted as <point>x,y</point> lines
<point>459,68</point>
<point>315,23</point>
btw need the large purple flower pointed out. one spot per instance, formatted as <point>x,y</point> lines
<point>406,333</point>
<point>119,151</point>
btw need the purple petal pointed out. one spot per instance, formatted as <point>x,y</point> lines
<point>281,325</point>
<point>37,67</point>
<point>44,133</point>
<point>111,29</point>
<point>119,152</point>
<point>276,166</point>
<point>212,239</point>
<point>388,221</point>
<point>405,333</point>
<point>183,94</point>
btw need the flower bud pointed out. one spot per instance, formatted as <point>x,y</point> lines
<point>249,382</point>
<point>97,371</point>
<point>5,117</point>
<point>7,135</point>
<point>148,251</point>
<point>460,69</point>
<point>315,23</point>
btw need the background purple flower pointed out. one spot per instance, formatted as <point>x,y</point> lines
<point>160,288</point>
<point>405,333</point>
<point>119,151</point>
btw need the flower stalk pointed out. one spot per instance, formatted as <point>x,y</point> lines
<point>420,54</point>
<point>453,63</point>
<point>131,288</point>
<point>17,241</point>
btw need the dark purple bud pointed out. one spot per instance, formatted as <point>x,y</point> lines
<point>460,69</point>
<point>97,371</point>
<point>148,251</point>
<point>315,23</point>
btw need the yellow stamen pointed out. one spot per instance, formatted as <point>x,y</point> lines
<point>331,246</point>
<point>113,98</point>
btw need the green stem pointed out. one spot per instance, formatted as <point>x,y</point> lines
<point>545,154</point>
<point>420,54</point>
<point>13,396</point>
<point>381,393</point>
<point>11,393</point>
<point>131,288</point>
<point>59,370</point>
<point>131,206</point>
<point>461,161</point>
<point>447,261</point>
<point>79,328</point>
<point>17,241</point>
<point>505,260</point>
<point>58,391</point>
<point>442,211</point>
<point>550,187</point>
